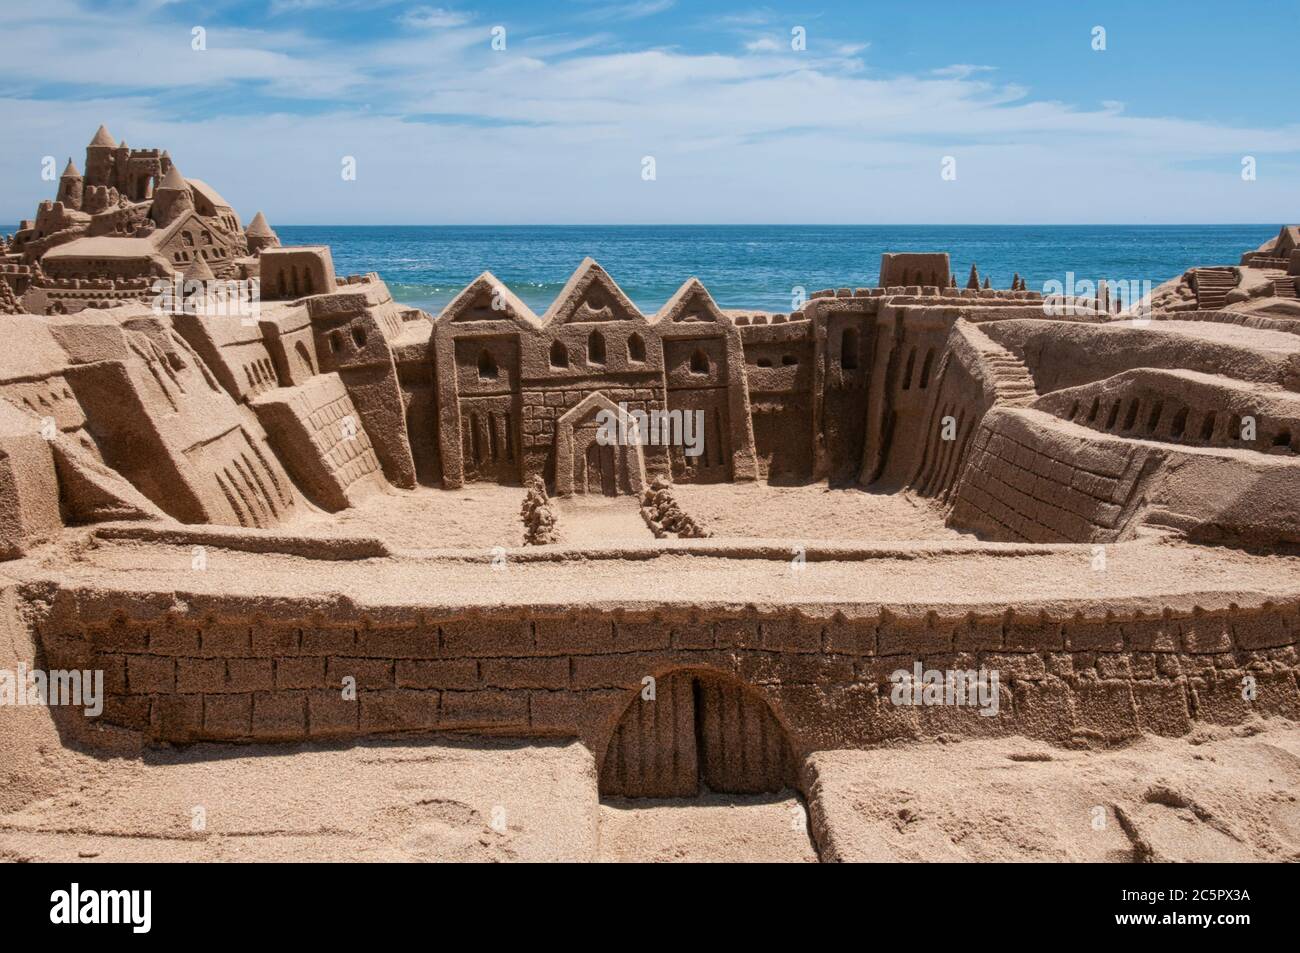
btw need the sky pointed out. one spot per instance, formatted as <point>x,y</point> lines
<point>891,112</point>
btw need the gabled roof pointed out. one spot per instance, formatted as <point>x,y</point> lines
<point>211,195</point>
<point>575,302</point>
<point>691,304</point>
<point>475,304</point>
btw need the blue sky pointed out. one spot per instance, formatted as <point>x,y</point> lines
<point>742,128</point>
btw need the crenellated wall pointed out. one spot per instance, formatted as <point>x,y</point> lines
<point>236,670</point>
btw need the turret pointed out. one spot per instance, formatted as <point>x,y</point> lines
<point>99,158</point>
<point>260,235</point>
<point>70,187</point>
<point>172,198</point>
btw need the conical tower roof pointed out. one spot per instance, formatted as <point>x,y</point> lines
<point>258,228</point>
<point>71,170</point>
<point>198,270</point>
<point>173,180</point>
<point>102,138</point>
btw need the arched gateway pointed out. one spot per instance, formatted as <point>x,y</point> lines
<point>700,728</point>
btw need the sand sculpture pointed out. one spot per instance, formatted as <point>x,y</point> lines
<point>234,518</point>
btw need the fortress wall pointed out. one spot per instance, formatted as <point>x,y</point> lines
<point>1182,407</point>
<point>242,670</point>
<point>415,375</point>
<point>910,344</point>
<point>780,373</point>
<point>319,435</point>
<point>1063,354</point>
<point>350,339</point>
<point>1032,479</point>
<point>962,392</point>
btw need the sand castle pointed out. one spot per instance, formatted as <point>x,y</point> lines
<point>240,518</point>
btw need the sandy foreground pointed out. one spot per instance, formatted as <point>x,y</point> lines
<point>1221,794</point>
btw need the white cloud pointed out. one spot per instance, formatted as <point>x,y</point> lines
<point>763,44</point>
<point>961,70</point>
<point>432,18</point>
<point>554,130</point>
<point>630,11</point>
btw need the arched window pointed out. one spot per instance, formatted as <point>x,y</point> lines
<point>596,348</point>
<point>636,349</point>
<point>925,369</point>
<point>1177,428</point>
<point>907,374</point>
<point>849,349</point>
<point>359,336</point>
<point>304,356</point>
<point>699,362</point>
<point>559,354</point>
<point>487,366</point>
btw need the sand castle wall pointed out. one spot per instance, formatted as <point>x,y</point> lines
<point>238,670</point>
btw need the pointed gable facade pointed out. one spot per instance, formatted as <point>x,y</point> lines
<point>506,379</point>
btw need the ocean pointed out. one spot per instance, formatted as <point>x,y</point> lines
<point>758,266</point>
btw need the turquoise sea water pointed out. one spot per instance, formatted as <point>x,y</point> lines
<point>757,266</point>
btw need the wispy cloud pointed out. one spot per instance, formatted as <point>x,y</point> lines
<point>961,70</point>
<point>432,18</point>
<point>631,11</point>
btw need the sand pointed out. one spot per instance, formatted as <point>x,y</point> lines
<point>1217,795</point>
<point>729,828</point>
<point>1220,794</point>
<point>1147,574</point>
<point>814,512</point>
<point>376,801</point>
<point>479,516</point>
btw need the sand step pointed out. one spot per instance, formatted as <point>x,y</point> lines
<point>1212,286</point>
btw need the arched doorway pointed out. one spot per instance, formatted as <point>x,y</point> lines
<point>701,729</point>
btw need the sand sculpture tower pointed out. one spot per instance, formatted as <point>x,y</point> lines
<point>260,235</point>
<point>172,198</point>
<point>99,158</point>
<point>71,186</point>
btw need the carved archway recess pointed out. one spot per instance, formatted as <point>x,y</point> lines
<point>702,729</point>
<point>627,459</point>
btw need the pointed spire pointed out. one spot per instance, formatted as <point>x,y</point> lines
<point>987,283</point>
<point>71,170</point>
<point>102,138</point>
<point>173,180</point>
<point>198,270</point>
<point>974,280</point>
<point>258,227</point>
<point>1015,281</point>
